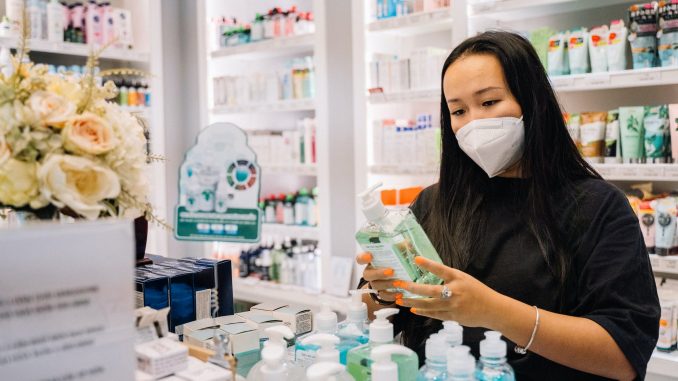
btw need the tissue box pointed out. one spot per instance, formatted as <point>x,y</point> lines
<point>260,320</point>
<point>243,338</point>
<point>160,358</point>
<point>298,318</point>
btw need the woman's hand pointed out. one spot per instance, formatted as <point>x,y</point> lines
<point>381,279</point>
<point>472,303</point>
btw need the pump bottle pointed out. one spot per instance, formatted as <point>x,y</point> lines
<point>326,323</point>
<point>453,333</point>
<point>274,365</point>
<point>387,367</point>
<point>461,366</point>
<point>353,331</point>
<point>359,359</point>
<point>395,238</point>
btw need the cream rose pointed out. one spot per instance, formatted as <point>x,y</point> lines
<point>52,110</point>
<point>88,134</point>
<point>18,183</point>
<point>5,152</point>
<point>78,183</point>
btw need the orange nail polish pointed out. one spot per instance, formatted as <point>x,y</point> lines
<point>366,257</point>
<point>413,310</point>
<point>388,272</point>
<point>399,302</point>
<point>399,296</point>
<point>396,283</point>
<point>419,260</point>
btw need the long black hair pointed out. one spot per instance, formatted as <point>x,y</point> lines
<point>550,164</point>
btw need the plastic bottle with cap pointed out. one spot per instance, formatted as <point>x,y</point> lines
<point>274,365</point>
<point>359,359</point>
<point>453,333</point>
<point>492,365</point>
<point>353,331</point>
<point>461,366</point>
<point>392,362</point>
<point>325,323</point>
<point>395,239</point>
<point>435,368</point>
<point>327,371</point>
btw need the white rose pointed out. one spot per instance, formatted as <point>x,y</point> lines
<point>88,134</point>
<point>18,183</point>
<point>52,110</point>
<point>78,183</point>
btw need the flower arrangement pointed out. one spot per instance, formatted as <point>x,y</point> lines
<point>64,147</point>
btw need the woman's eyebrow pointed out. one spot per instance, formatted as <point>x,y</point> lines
<point>479,92</point>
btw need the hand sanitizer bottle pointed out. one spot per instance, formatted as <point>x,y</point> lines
<point>493,365</point>
<point>435,368</point>
<point>388,364</point>
<point>395,238</point>
<point>461,366</point>
<point>353,331</point>
<point>327,344</point>
<point>453,333</point>
<point>274,365</point>
<point>326,323</point>
<point>359,361</point>
<point>327,371</point>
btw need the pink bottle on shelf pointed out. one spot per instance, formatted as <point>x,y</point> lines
<point>290,20</point>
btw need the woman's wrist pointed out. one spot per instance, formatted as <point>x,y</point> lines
<point>513,318</point>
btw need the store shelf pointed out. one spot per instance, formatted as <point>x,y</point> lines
<point>523,9</point>
<point>280,106</point>
<point>664,266</point>
<point>616,80</point>
<point>298,170</point>
<point>414,24</point>
<point>292,231</point>
<point>664,364</point>
<point>275,47</point>
<point>405,97</point>
<point>256,291</point>
<point>78,50</point>
<point>144,112</point>
<point>406,170</point>
<point>640,172</point>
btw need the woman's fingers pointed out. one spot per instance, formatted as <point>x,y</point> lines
<point>435,304</point>
<point>364,258</point>
<point>440,270</point>
<point>419,289</point>
<point>390,296</point>
<point>379,285</point>
<point>371,274</point>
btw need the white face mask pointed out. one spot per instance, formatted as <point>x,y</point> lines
<point>494,144</point>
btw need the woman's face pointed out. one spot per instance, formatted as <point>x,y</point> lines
<point>475,88</point>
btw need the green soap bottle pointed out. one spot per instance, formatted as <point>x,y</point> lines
<point>395,238</point>
<point>359,359</point>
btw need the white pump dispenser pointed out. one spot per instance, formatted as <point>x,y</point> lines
<point>357,310</point>
<point>372,206</point>
<point>381,330</point>
<point>460,364</point>
<point>327,371</point>
<point>328,351</point>
<point>326,320</point>
<point>383,367</point>
<point>493,346</point>
<point>273,366</point>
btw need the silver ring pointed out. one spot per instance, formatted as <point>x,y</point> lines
<point>446,293</point>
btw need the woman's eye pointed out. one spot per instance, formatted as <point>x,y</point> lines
<point>489,103</point>
<point>458,112</point>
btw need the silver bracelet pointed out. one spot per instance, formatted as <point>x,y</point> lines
<point>520,350</point>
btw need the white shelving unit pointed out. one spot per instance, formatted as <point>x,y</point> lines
<point>301,232</point>
<point>277,47</point>
<point>404,170</point>
<point>663,364</point>
<point>414,24</point>
<point>79,50</point>
<point>256,291</point>
<point>518,9</point>
<point>616,80</point>
<point>640,172</point>
<point>333,138</point>
<point>405,97</point>
<point>665,266</point>
<point>280,106</point>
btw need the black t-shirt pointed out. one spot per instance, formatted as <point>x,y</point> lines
<point>611,280</point>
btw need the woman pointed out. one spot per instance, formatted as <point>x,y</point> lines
<point>535,244</point>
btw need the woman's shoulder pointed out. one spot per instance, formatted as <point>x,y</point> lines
<point>597,193</point>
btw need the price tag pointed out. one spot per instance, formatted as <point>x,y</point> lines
<point>654,172</point>
<point>670,265</point>
<point>649,76</point>
<point>628,171</point>
<point>655,262</point>
<point>562,82</point>
<point>597,79</point>
<point>671,171</point>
